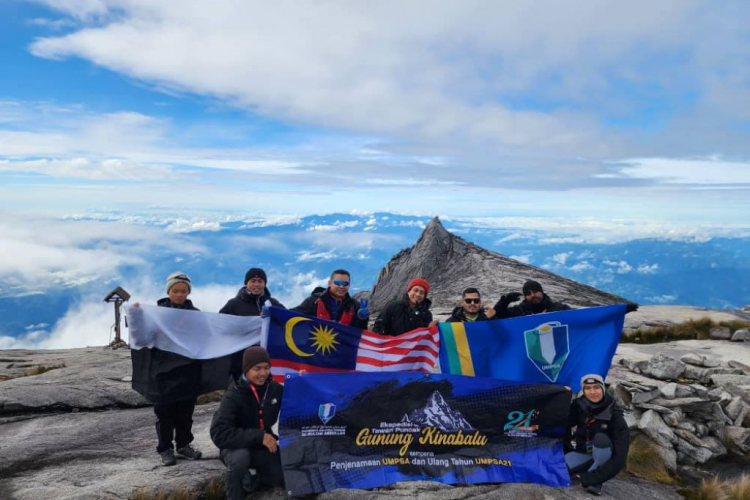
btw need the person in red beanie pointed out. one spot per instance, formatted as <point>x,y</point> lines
<point>410,312</point>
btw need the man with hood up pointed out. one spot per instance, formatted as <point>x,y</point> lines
<point>248,302</point>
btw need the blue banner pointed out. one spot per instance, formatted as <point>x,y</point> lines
<point>559,347</point>
<point>366,430</point>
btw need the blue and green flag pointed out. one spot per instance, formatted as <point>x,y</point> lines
<point>559,347</point>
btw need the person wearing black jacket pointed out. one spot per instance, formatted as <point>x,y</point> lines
<point>335,304</point>
<point>249,301</point>
<point>408,313</point>
<point>241,427</point>
<point>535,302</point>
<point>178,380</point>
<point>597,427</point>
<point>471,308</point>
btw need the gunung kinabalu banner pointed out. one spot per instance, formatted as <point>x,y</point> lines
<point>559,347</point>
<point>366,430</point>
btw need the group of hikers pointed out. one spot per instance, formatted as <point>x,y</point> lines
<point>597,438</point>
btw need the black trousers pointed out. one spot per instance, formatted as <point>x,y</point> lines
<point>174,422</point>
<point>267,465</point>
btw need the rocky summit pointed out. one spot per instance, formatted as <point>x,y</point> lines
<point>450,264</point>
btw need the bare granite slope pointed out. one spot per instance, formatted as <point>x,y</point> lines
<point>452,264</point>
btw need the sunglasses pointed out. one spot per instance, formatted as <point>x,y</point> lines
<point>340,283</point>
<point>472,301</point>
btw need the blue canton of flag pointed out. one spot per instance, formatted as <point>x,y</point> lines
<point>299,342</point>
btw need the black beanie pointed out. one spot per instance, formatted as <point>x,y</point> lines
<point>532,286</point>
<point>255,272</point>
<point>252,356</point>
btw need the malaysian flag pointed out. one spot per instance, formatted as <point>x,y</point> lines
<point>299,342</point>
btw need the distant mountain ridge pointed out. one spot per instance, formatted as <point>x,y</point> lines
<point>451,264</point>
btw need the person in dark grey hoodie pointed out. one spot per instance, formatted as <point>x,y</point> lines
<point>248,302</point>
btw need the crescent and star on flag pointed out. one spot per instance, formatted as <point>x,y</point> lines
<point>323,337</point>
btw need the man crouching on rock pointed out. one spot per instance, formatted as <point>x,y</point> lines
<point>598,428</point>
<point>241,427</point>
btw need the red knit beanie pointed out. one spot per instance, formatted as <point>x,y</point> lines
<point>419,282</point>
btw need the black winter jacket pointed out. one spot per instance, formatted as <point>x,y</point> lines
<point>163,376</point>
<point>606,417</point>
<point>527,308</point>
<point>235,425</point>
<point>398,317</point>
<point>309,306</point>
<point>459,315</point>
<point>245,304</point>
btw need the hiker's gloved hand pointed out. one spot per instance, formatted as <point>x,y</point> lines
<point>364,311</point>
<point>507,299</point>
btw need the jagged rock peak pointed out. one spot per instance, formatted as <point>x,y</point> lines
<point>450,264</point>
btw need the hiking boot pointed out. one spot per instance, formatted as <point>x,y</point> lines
<point>594,489</point>
<point>167,457</point>
<point>189,452</point>
<point>250,482</point>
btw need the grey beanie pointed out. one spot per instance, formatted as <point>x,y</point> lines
<point>592,378</point>
<point>178,277</point>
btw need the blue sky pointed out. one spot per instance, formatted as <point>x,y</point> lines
<point>578,110</point>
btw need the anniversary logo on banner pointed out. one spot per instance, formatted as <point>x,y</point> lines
<point>365,430</point>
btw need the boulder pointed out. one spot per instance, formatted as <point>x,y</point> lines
<point>739,438</point>
<point>654,427</point>
<point>684,391</point>
<point>710,362</point>
<point>669,391</point>
<point>721,380</point>
<point>645,396</point>
<point>696,454</point>
<point>720,333</point>
<point>715,445</point>
<point>700,391</point>
<point>741,335</point>
<point>719,395</point>
<point>687,404</point>
<point>704,374</point>
<point>740,366</point>
<point>662,367</point>
<point>692,358</point>
<point>734,407</point>
<point>674,417</point>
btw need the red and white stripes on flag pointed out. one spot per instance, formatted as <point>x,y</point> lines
<point>416,350</point>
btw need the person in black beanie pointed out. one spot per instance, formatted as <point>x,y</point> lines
<point>241,427</point>
<point>249,301</point>
<point>535,302</point>
<point>597,427</point>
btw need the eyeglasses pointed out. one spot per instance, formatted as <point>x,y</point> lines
<point>340,283</point>
<point>472,301</point>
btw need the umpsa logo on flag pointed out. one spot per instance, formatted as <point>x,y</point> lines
<point>326,412</point>
<point>547,346</point>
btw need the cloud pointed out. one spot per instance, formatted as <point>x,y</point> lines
<point>581,266</point>
<point>662,299</point>
<point>40,254</point>
<point>561,258</point>
<point>647,269</point>
<point>306,256</point>
<point>621,267</point>
<point>563,93</point>
<point>699,172</point>
<point>526,258</point>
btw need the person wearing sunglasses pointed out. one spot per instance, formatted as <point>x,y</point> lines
<point>470,308</point>
<point>335,304</point>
